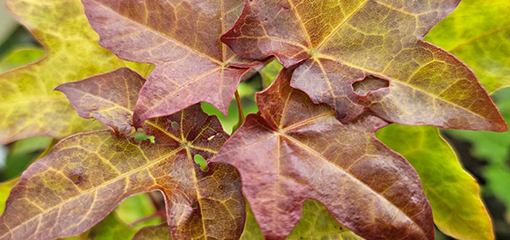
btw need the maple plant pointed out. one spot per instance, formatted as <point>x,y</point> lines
<point>308,164</point>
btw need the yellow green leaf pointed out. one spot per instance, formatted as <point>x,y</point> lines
<point>135,208</point>
<point>5,189</point>
<point>478,33</point>
<point>453,194</point>
<point>20,57</point>
<point>316,223</point>
<point>159,232</point>
<point>28,104</point>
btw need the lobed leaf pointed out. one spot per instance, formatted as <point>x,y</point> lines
<point>482,42</point>
<point>85,176</point>
<point>453,194</point>
<point>110,98</point>
<point>182,39</point>
<point>339,43</point>
<point>295,150</point>
<point>28,105</point>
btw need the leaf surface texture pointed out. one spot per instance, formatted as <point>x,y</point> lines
<point>339,43</point>
<point>28,105</point>
<point>295,150</point>
<point>182,39</point>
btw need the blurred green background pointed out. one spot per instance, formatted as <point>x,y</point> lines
<point>484,154</point>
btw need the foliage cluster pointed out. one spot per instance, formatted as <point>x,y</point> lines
<point>308,162</point>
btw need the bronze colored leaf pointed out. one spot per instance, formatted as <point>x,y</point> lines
<point>110,98</point>
<point>342,42</point>
<point>182,39</point>
<point>295,150</point>
<point>85,176</point>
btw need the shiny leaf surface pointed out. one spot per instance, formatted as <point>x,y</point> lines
<point>339,43</point>
<point>296,150</point>
<point>28,105</point>
<point>452,192</point>
<point>109,98</point>
<point>85,176</point>
<point>182,39</point>
<point>478,33</point>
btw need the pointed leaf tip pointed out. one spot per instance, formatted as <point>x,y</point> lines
<point>296,150</point>
<point>29,106</point>
<point>109,98</point>
<point>182,38</point>
<point>86,175</point>
<point>339,43</point>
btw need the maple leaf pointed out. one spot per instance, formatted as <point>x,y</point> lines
<point>339,43</point>
<point>296,150</point>
<point>182,39</point>
<point>99,96</point>
<point>28,105</point>
<point>86,175</point>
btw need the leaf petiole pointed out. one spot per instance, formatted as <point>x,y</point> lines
<point>240,111</point>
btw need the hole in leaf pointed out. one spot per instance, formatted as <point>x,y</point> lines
<point>141,136</point>
<point>369,84</point>
<point>76,178</point>
<point>201,162</point>
<point>211,137</point>
<point>194,205</point>
<point>175,125</point>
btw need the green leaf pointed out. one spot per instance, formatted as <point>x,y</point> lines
<point>478,33</point>
<point>20,57</point>
<point>159,232</point>
<point>5,189</point>
<point>111,228</point>
<point>269,72</point>
<point>316,223</point>
<point>453,194</point>
<point>335,44</point>
<point>296,150</point>
<point>495,149</point>
<point>135,208</point>
<point>28,105</point>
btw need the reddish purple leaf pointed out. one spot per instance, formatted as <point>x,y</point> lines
<point>295,150</point>
<point>182,38</point>
<point>110,98</point>
<point>86,175</point>
<point>340,43</point>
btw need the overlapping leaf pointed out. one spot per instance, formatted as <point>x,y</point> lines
<point>181,37</point>
<point>343,42</point>
<point>110,98</point>
<point>85,176</point>
<point>297,150</point>
<point>28,104</point>
<point>478,32</point>
<point>452,192</point>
